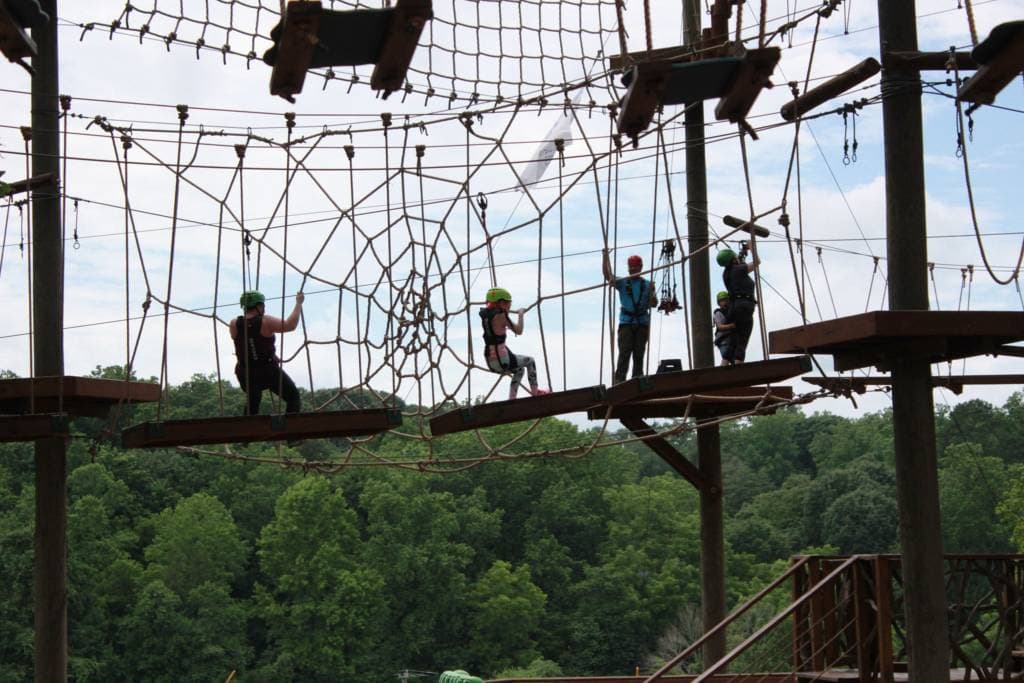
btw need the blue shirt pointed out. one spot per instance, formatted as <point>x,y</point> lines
<point>634,300</point>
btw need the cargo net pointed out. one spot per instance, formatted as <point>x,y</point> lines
<point>469,52</point>
<point>394,239</point>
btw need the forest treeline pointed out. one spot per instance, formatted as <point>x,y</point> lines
<point>186,568</point>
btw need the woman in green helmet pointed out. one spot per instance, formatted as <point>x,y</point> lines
<point>496,323</point>
<point>736,276</point>
<point>258,366</point>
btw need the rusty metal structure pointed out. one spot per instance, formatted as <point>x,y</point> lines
<point>842,619</point>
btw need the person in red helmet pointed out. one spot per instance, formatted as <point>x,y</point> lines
<point>636,297</point>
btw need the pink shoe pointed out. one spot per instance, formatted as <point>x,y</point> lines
<point>537,391</point>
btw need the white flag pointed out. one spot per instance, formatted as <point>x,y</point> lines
<point>534,170</point>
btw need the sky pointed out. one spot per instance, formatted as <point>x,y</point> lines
<point>332,231</point>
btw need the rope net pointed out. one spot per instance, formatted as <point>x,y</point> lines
<point>394,226</point>
<point>470,51</point>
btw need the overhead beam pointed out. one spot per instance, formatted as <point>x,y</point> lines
<point>33,183</point>
<point>752,76</point>
<point>15,43</point>
<point>928,61</point>
<point>1003,56</point>
<point>734,222</point>
<point>300,28</point>
<point>830,89</point>
<point>407,22</point>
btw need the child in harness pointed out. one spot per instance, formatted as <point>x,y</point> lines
<point>496,323</point>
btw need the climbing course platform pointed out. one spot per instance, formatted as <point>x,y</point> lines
<point>310,37</point>
<point>244,429</point>
<point>652,83</point>
<point>32,427</point>
<point>702,406</point>
<point>1001,57</point>
<point>688,382</point>
<point>76,396</point>
<point>956,384</point>
<point>517,410</point>
<point>873,338</point>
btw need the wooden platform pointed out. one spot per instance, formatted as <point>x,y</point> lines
<point>955,384</point>
<point>32,427</point>
<point>518,410</point>
<point>688,382</point>
<point>244,429</point>
<point>706,405</point>
<point>75,396</point>
<point>871,339</point>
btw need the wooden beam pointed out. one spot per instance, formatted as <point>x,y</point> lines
<point>956,384</point>
<point>407,22</point>
<point>702,406</point>
<point>676,53</point>
<point>290,427</point>
<point>1017,351</point>
<point>516,410</point>
<point>703,380</point>
<point>1002,57</point>
<point>666,451</point>
<point>831,88</point>
<point>33,183</point>
<point>32,427</point>
<point>928,61</point>
<point>855,332</point>
<point>76,396</point>
<point>15,43</point>
<point>734,222</point>
<point>647,89</point>
<point>752,76</point>
<point>300,26</point>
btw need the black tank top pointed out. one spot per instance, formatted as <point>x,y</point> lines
<point>248,333</point>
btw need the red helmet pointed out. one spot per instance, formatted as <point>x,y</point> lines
<point>635,261</point>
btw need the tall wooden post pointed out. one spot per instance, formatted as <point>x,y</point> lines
<point>917,486</point>
<point>712,534</point>
<point>51,605</point>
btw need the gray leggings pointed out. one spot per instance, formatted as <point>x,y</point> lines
<point>517,364</point>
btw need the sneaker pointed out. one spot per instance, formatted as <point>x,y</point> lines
<point>537,391</point>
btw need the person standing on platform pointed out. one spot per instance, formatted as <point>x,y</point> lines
<point>496,323</point>
<point>636,297</point>
<point>736,276</point>
<point>725,329</point>
<point>258,367</point>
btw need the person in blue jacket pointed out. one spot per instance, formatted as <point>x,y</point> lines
<point>636,297</point>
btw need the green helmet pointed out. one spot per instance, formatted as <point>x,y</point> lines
<point>725,257</point>
<point>251,298</point>
<point>498,294</point>
<point>722,295</point>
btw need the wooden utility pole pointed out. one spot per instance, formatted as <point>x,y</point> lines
<point>51,604</point>
<point>917,485</point>
<point>712,534</point>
